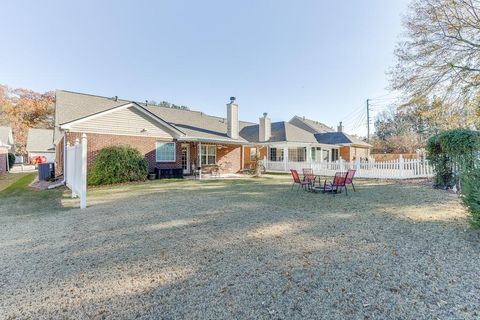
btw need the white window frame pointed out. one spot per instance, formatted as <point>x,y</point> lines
<point>163,143</point>
<point>208,154</point>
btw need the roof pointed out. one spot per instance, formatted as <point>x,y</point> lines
<point>40,140</point>
<point>6,136</point>
<point>281,132</point>
<point>339,138</point>
<point>310,125</point>
<point>71,106</point>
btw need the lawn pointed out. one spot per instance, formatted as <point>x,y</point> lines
<point>238,249</point>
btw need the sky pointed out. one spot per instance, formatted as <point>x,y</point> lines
<point>319,59</point>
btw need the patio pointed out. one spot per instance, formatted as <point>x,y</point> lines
<point>238,249</point>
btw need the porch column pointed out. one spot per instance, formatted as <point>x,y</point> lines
<point>285,158</point>
<point>309,156</point>
<point>199,151</point>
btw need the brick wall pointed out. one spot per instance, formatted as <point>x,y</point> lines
<point>246,156</point>
<point>146,146</point>
<point>229,157</point>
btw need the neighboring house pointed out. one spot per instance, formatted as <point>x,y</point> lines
<point>184,139</point>
<point>7,144</point>
<point>350,147</point>
<point>40,143</point>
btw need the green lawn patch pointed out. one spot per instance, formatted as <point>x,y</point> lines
<point>20,185</point>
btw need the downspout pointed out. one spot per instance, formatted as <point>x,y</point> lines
<point>64,181</point>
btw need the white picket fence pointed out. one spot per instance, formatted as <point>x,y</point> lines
<point>76,169</point>
<point>395,169</point>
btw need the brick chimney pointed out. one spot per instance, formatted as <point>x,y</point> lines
<point>232,119</point>
<point>264,128</point>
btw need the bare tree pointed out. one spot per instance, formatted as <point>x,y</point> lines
<point>439,55</point>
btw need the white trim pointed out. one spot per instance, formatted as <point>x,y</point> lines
<point>121,134</point>
<point>68,125</point>
<point>174,152</point>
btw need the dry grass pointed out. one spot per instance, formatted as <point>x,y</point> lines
<point>238,249</point>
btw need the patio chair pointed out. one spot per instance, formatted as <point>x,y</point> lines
<point>296,180</point>
<point>349,178</point>
<point>337,184</point>
<point>308,175</point>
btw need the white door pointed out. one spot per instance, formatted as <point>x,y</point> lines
<point>186,158</point>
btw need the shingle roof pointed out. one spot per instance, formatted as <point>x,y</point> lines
<point>281,131</point>
<point>339,138</point>
<point>310,125</point>
<point>72,106</point>
<point>6,137</point>
<point>40,140</point>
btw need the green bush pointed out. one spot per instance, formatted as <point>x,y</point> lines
<point>11,160</point>
<point>455,155</point>
<point>118,164</point>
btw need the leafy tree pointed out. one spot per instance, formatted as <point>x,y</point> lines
<point>24,109</point>
<point>439,57</point>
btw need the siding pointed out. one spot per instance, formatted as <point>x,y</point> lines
<point>127,121</point>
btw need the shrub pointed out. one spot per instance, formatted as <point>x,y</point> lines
<point>455,155</point>
<point>11,160</point>
<point>118,164</point>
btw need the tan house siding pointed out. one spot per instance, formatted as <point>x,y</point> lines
<point>127,121</point>
<point>146,146</point>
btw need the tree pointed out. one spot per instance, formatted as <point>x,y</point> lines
<point>24,109</point>
<point>439,58</point>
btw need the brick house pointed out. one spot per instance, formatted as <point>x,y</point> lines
<point>169,138</point>
<point>184,139</point>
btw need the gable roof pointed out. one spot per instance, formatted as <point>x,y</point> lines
<point>310,125</point>
<point>71,106</point>
<point>6,136</point>
<point>339,138</point>
<point>281,132</point>
<point>40,140</point>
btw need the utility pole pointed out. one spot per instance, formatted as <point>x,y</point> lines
<point>368,120</point>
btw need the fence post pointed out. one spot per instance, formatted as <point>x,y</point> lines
<point>285,158</point>
<point>357,165</point>
<point>342,165</point>
<point>402,165</point>
<point>83,174</point>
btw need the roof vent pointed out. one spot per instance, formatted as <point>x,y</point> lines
<point>146,103</point>
<point>115,98</point>
<point>232,99</point>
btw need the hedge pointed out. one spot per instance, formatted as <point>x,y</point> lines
<point>118,164</point>
<point>455,155</point>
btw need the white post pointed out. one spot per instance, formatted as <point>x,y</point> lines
<point>357,165</point>
<point>401,163</point>
<point>83,175</point>
<point>74,177</point>
<point>342,164</point>
<point>285,158</point>
<point>199,160</point>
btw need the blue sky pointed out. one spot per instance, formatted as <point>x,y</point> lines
<point>319,59</point>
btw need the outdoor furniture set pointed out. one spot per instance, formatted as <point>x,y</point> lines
<point>309,181</point>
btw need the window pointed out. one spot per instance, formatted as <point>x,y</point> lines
<point>314,153</point>
<point>276,154</point>
<point>297,154</point>
<point>208,154</point>
<point>165,151</point>
<point>326,155</point>
<point>253,154</point>
<point>334,154</point>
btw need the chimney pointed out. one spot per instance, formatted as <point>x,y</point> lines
<point>340,127</point>
<point>265,128</point>
<point>232,118</point>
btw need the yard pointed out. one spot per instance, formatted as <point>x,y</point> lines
<point>238,249</point>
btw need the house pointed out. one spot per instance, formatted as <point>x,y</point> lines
<point>284,142</point>
<point>184,139</point>
<point>7,145</point>
<point>40,143</point>
<point>169,138</point>
<point>350,147</point>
